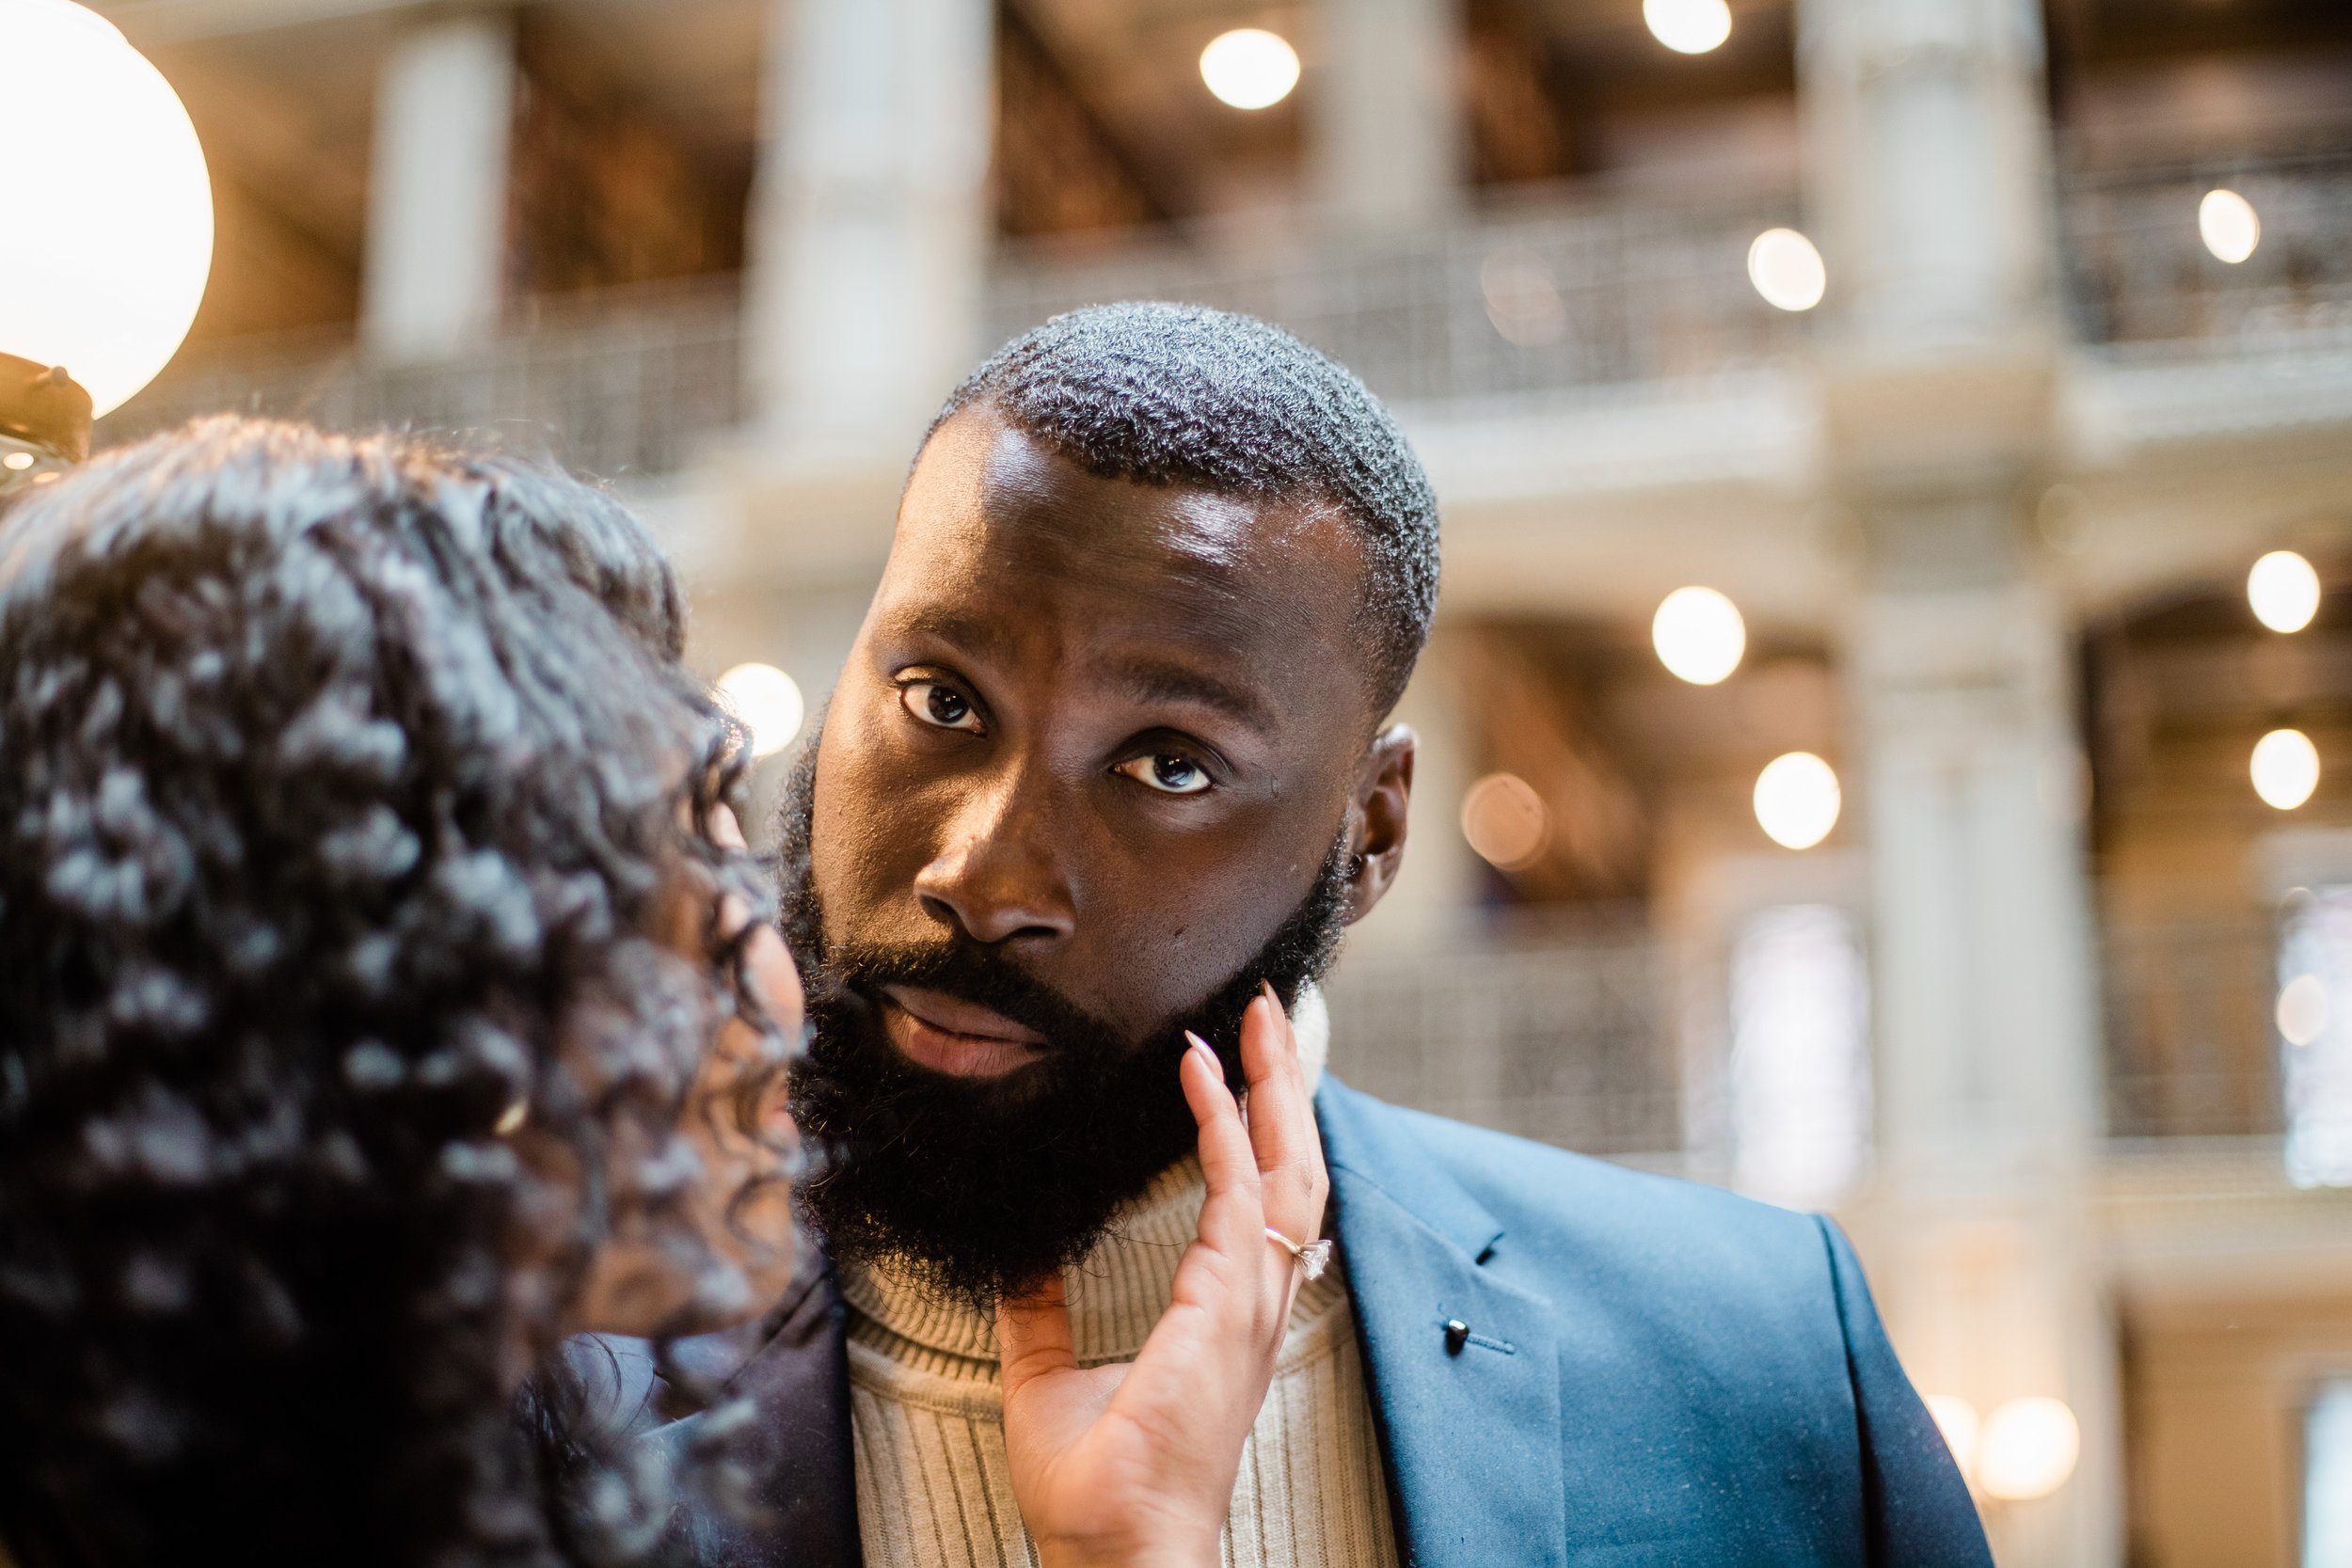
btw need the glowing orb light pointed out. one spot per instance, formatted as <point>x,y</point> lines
<point>2229,225</point>
<point>768,702</point>
<point>1249,67</point>
<point>1505,821</point>
<point>2302,1012</point>
<point>2284,590</point>
<point>2029,1450</point>
<point>1797,799</point>
<point>1698,635</point>
<point>1786,270</point>
<point>1688,27</point>
<point>109,233</point>
<point>2286,769</point>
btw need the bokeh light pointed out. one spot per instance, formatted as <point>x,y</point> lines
<point>1249,67</point>
<point>1688,27</point>
<point>109,237</point>
<point>2302,1011</point>
<point>768,702</point>
<point>1698,635</point>
<point>1956,1418</point>
<point>2230,226</point>
<point>2028,1449</point>
<point>2286,769</point>
<point>1505,821</point>
<point>1786,270</point>
<point>2284,590</point>
<point>1797,799</point>
<point>1522,301</point>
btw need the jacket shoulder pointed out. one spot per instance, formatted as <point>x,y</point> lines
<point>1556,1211</point>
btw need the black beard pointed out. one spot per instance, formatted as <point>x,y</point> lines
<point>982,1188</point>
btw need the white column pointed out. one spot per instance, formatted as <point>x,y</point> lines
<point>1928,191</point>
<point>1927,144</point>
<point>869,219</point>
<point>437,189</point>
<point>1387,137</point>
<point>1985,979</point>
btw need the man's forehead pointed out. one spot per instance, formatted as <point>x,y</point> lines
<point>981,484</point>
<point>999,534</point>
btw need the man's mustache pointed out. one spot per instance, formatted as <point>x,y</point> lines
<point>858,973</point>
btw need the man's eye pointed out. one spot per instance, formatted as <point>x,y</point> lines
<point>1170,772</point>
<point>940,707</point>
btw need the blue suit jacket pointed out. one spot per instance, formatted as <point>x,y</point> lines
<point>1654,1373</point>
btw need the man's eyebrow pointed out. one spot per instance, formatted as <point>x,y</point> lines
<point>972,632</point>
<point>1151,681</point>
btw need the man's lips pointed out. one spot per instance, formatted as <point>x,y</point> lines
<point>949,1035</point>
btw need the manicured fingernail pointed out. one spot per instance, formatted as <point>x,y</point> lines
<point>1202,1046</point>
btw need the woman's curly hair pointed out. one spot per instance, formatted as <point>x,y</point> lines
<point>343,785</point>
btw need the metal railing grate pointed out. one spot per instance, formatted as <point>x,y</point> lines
<point>1591,290</point>
<point>1567,1039</point>
<point>2138,270</point>
<point>611,384</point>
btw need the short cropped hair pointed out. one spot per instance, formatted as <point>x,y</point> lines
<point>1182,394</point>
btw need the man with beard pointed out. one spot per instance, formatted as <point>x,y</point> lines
<point>1109,755</point>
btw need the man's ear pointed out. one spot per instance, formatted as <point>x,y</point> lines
<point>1376,819</point>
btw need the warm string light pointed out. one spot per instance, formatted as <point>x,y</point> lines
<point>1505,821</point>
<point>2027,1448</point>
<point>766,702</point>
<point>2302,1010</point>
<point>1786,270</point>
<point>1797,799</point>
<point>1699,635</point>
<point>1688,27</point>
<point>1249,67</point>
<point>2229,225</point>
<point>2284,590</point>
<point>104,260</point>
<point>2286,769</point>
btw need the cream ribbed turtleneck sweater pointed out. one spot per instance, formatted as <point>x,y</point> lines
<point>926,1413</point>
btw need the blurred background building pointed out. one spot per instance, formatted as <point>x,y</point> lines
<point>1970,353</point>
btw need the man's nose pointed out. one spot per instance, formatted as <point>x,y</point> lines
<point>998,878</point>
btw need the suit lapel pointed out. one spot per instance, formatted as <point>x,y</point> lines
<point>1469,1419</point>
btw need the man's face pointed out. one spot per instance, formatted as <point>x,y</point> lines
<point>1100,756</point>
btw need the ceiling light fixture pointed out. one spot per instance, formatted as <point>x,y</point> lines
<point>104,259</point>
<point>1688,27</point>
<point>1249,67</point>
<point>1786,270</point>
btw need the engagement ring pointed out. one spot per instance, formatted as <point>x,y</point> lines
<point>1312,1257</point>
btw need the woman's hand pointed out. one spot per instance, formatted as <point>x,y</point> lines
<point>1134,1464</point>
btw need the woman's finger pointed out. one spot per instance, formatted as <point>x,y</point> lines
<point>1232,1220</point>
<point>1283,1139</point>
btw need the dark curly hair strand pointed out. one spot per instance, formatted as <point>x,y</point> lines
<point>342,783</point>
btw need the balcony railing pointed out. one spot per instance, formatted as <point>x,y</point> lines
<point>1594,290</point>
<point>2189,1046</point>
<point>2138,273</point>
<point>1565,1037</point>
<point>1573,1034</point>
<point>612,384</point>
<point>1533,299</point>
<point>1541,299</point>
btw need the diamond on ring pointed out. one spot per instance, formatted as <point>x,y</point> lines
<point>1312,1259</point>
